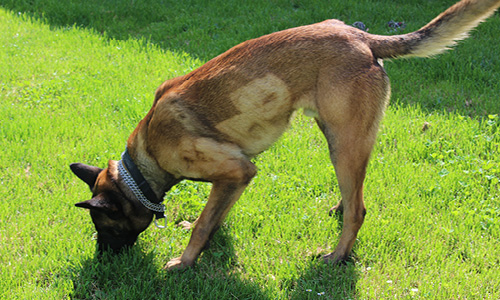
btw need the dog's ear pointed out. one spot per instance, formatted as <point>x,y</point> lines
<point>86,173</point>
<point>99,202</point>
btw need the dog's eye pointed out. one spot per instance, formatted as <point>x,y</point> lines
<point>108,232</point>
<point>118,215</point>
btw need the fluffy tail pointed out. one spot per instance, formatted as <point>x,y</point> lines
<point>437,36</point>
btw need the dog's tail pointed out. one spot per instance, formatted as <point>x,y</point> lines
<point>437,36</point>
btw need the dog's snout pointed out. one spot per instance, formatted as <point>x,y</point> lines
<point>115,245</point>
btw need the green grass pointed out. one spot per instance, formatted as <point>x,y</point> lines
<point>76,79</point>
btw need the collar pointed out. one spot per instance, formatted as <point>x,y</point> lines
<point>134,179</point>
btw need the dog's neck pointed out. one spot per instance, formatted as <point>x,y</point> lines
<point>160,180</point>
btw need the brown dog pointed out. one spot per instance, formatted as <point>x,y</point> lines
<point>207,124</point>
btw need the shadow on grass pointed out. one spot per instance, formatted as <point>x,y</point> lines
<point>326,280</point>
<point>322,280</point>
<point>136,274</point>
<point>204,30</point>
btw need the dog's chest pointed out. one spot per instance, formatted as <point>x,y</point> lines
<point>264,105</point>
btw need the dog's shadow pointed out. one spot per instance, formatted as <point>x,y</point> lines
<point>322,280</point>
<point>137,274</point>
<point>326,281</point>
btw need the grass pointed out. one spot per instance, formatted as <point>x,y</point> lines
<point>78,76</point>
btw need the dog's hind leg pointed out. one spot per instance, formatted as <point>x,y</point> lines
<point>330,139</point>
<point>350,157</point>
<point>348,116</point>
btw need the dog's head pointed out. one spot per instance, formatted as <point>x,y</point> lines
<point>117,217</point>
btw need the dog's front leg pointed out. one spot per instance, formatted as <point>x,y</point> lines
<point>225,192</point>
<point>221,199</point>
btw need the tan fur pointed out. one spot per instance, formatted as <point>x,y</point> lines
<point>207,124</point>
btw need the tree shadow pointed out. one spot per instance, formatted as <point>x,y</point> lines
<point>202,29</point>
<point>137,274</point>
<point>457,81</point>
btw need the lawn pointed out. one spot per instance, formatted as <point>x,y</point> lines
<point>77,76</point>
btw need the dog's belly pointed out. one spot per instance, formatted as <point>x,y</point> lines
<point>265,107</point>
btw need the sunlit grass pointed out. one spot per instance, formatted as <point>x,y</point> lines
<point>69,93</point>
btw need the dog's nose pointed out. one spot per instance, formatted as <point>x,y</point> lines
<point>114,244</point>
<point>111,247</point>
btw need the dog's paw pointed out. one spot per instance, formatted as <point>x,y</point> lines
<point>337,209</point>
<point>176,264</point>
<point>186,225</point>
<point>335,259</point>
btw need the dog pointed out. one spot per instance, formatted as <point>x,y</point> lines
<point>208,124</point>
